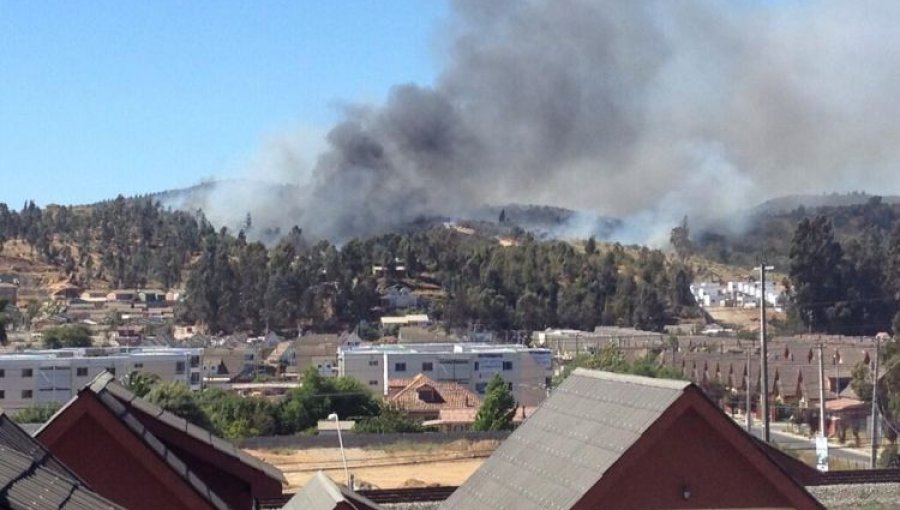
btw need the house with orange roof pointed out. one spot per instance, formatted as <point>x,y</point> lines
<point>424,398</point>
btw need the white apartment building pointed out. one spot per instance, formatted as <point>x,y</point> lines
<point>39,377</point>
<point>527,370</point>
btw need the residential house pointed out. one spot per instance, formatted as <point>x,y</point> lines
<point>423,398</point>
<point>319,351</point>
<point>614,441</point>
<point>405,320</point>
<point>141,457</point>
<point>65,291</point>
<point>228,364</point>
<point>175,295</point>
<point>185,332</point>
<point>122,296</point>
<point>94,296</point>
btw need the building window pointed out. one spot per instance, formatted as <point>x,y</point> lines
<point>399,367</point>
<point>507,365</point>
<point>373,383</point>
<point>2,394</point>
<point>476,366</point>
<point>2,373</point>
<point>195,361</point>
<point>195,378</point>
<point>81,372</point>
<point>373,362</point>
<point>26,393</point>
<point>111,370</point>
<point>179,367</point>
<point>427,366</point>
<point>509,385</point>
<point>27,372</point>
<point>138,365</point>
<point>479,387</point>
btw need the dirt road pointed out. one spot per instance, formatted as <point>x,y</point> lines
<point>390,467</point>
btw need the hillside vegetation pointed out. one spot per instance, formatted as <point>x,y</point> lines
<point>233,284</point>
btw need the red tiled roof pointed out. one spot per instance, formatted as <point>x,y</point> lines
<point>425,394</point>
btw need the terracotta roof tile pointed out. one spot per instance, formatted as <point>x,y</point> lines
<point>423,393</point>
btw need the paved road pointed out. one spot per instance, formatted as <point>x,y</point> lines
<point>793,442</point>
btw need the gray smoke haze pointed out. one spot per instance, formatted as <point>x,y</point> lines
<point>643,110</point>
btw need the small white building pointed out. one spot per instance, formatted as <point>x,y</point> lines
<point>406,320</point>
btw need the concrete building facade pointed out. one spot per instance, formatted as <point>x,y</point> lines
<point>527,370</point>
<point>47,377</point>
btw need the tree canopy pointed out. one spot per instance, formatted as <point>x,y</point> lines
<point>59,337</point>
<point>498,407</point>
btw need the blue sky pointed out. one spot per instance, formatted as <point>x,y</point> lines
<point>106,97</point>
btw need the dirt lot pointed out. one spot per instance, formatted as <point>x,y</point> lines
<point>402,465</point>
<point>740,318</point>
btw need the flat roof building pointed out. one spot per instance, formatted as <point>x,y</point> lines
<point>46,377</point>
<point>528,371</point>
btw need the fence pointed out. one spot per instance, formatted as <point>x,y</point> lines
<point>354,440</point>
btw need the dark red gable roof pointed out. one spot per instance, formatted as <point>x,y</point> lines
<point>124,446</point>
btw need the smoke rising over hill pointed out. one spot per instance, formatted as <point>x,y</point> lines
<point>645,110</point>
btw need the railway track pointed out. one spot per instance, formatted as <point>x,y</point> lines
<point>408,494</point>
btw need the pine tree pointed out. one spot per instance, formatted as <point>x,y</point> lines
<point>816,274</point>
<point>497,409</point>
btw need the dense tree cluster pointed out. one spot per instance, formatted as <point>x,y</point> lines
<point>230,415</point>
<point>57,337</point>
<point>239,285</point>
<point>847,288</point>
<point>126,242</point>
<point>233,284</point>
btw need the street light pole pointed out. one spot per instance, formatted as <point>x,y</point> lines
<point>873,461</point>
<point>763,351</point>
<point>337,422</point>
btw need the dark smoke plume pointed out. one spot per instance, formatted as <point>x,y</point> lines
<point>645,110</point>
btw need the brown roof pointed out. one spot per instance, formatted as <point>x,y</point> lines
<point>843,404</point>
<point>425,394</point>
<point>467,415</point>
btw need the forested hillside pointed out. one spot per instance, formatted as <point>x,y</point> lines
<point>124,243</point>
<point>232,284</point>
<point>848,286</point>
<point>741,240</point>
<point>533,285</point>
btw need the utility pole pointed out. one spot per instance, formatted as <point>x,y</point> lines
<point>821,390</point>
<point>873,461</point>
<point>748,386</point>
<point>763,351</point>
<point>822,439</point>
